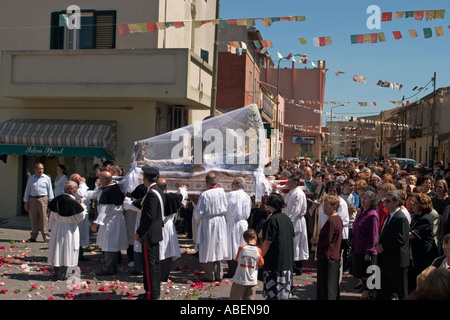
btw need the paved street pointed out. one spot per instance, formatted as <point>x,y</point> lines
<point>26,275</point>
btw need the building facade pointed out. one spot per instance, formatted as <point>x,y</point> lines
<point>303,91</point>
<point>238,83</point>
<point>126,87</point>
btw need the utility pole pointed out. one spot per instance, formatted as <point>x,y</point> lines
<point>433,123</point>
<point>215,63</point>
<point>381,135</point>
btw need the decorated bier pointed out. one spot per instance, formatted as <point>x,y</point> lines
<point>232,145</point>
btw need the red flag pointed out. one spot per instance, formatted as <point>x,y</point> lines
<point>322,41</point>
<point>419,15</point>
<point>360,38</point>
<point>386,16</point>
<point>179,24</point>
<point>289,56</point>
<point>151,27</point>
<point>373,37</point>
<point>397,35</point>
<point>123,29</point>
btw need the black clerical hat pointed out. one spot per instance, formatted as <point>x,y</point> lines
<point>151,171</point>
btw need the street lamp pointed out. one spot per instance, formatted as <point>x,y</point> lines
<point>331,125</point>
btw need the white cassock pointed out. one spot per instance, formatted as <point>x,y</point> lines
<point>295,209</point>
<point>169,246</point>
<point>209,213</point>
<point>239,208</point>
<point>342,212</point>
<point>128,206</point>
<point>112,233</point>
<point>84,225</point>
<point>65,240</point>
<point>130,224</point>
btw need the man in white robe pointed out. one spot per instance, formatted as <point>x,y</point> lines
<point>169,248</point>
<point>65,214</point>
<point>212,228</point>
<point>295,209</point>
<point>110,223</point>
<point>239,208</point>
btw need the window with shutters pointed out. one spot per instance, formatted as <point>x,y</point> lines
<point>97,31</point>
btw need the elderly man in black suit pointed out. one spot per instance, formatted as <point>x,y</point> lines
<point>393,250</point>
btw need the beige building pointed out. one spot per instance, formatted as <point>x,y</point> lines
<point>418,137</point>
<point>74,96</point>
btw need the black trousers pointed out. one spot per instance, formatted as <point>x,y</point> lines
<point>393,279</point>
<point>152,271</point>
<point>166,266</point>
<point>328,279</point>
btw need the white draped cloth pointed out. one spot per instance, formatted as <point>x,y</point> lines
<point>65,240</point>
<point>209,214</point>
<point>169,246</point>
<point>112,233</point>
<point>239,208</point>
<point>295,209</point>
<point>130,208</point>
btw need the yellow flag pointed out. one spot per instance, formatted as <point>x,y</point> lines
<point>429,15</point>
<point>399,14</point>
<point>196,24</point>
<point>413,33</point>
<point>142,27</point>
<point>302,40</point>
<point>160,25</point>
<point>439,31</point>
<point>133,27</point>
<point>439,14</point>
<point>267,22</point>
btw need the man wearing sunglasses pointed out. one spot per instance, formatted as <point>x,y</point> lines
<point>393,249</point>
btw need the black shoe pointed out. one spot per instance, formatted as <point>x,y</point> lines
<point>142,296</point>
<point>30,240</point>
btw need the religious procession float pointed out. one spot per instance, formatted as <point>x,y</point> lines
<point>232,145</point>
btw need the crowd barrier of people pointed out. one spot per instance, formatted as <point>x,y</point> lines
<point>347,217</point>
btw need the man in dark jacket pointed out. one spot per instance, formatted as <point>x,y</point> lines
<point>393,249</point>
<point>149,233</point>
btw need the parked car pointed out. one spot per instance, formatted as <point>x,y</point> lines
<point>367,159</point>
<point>339,158</point>
<point>406,162</point>
<point>352,159</point>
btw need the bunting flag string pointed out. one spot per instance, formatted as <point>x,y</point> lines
<point>380,36</point>
<point>429,15</point>
<point>130,28</point>
<point>322,41</point>
<point>388,125</point>
<point>359,79</point>
<point>392,85</point>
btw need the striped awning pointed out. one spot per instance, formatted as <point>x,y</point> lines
<point>54,137</point>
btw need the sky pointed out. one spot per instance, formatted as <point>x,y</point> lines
<point>407,61</point>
